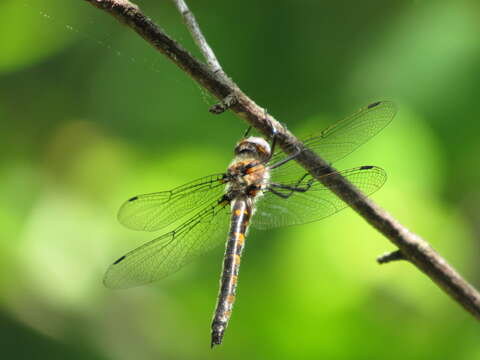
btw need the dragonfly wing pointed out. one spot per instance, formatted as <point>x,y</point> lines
<point>340,139</point>
<point>315,203</point>
<point>169,252</point>
<point>151,212</point>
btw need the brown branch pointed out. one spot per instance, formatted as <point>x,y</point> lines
<point>391,256</point>
<point>223,105</point>
<point>413,247</point>
<point>197,35</point>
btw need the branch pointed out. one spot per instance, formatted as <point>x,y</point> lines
<point>197,35</point>
<point>223,105</point>
<point>413,247</point>
<point>391,256</point>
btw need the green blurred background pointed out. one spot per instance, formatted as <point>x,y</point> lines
<point>90,115</point>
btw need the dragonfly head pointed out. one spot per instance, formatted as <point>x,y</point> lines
<point>255,147</point>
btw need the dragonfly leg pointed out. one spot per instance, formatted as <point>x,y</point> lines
<point>293,189</point>
<point>273,146</point>
<point>284,196</point>
<point>287,159</point>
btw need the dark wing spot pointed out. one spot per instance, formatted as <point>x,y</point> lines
<point>116,262</point>
<point>373,105</point>
<point>366,167</point>
<point>133,198</point>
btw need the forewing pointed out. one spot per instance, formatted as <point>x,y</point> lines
<point>340,139</point>
<point>314,204</point>
<point>168,253</point>
<point>151,212</point>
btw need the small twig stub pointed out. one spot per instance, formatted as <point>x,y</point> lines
<point>391,256</point>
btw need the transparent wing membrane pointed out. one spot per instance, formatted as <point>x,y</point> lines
<point>151,212</point>
<point>340,139</point>
<point>169,252</point>
<point>314,204</point>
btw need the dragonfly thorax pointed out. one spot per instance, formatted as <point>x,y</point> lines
<point>247,173</point>
<point>248,177</point>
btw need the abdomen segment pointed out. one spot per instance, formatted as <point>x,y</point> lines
<point>241,214</point>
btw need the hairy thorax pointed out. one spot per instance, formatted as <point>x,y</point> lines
<point>248,177</point>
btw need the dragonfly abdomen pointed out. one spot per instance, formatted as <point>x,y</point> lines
<point>241,214</point>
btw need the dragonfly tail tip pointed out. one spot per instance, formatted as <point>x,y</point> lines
<point>216,339</point>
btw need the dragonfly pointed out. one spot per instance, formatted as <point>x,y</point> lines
<point>262,188</point>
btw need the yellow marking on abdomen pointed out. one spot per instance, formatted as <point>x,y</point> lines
<point>241,240</point>
<point>237,259</point>
<point>238,212</point>
<point>230,299</point>
<point>234,279</point>
<point>240,237</point>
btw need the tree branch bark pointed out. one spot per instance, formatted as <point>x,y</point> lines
<point>391,256</point>
<point>412,247</point>
<point>197,35</point>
